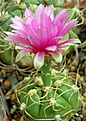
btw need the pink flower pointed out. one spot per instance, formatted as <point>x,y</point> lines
<point>42,34</point>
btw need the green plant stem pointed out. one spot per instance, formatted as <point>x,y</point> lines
<point>46,72</point>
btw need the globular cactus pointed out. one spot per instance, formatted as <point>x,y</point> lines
<point>49,97</point>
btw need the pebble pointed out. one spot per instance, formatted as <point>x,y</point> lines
<point>76,114</point>
<point>84,118</point>
<point>15,116</point>
<point>73,68</point>
<point>14,107</point>
<point>11,111</point>
<point>1,80</point>
<point>7,84</point>
<point>3,72</point>
<point>13,120</point>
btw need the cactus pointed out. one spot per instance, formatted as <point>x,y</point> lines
<point>50,96</point>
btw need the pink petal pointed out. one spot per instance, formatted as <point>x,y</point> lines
<point>62,48</point>
<point>57,56</point>
<point>20,33</point>
<point>19,24</point>
<point>17,39</point>
<point>54,40</point>
<point>51,48</point>
<point>46,19</point>
<point>17,20</point>
<point>42,36</point>
<point>68,27</point>
<point>30,30</point>
<point>59,15</point>
<point>29,20</point>
<point>34,40</point>
<point>38,13</point>
<point>49,11</point>
<point>35,24</point>
<point>14,26</point>
<point>53,31</point>
<point>62,25</point>
<point>39,60</point>
<point>22,47</point>
<point>28,13</point>
<point>21,54</point>
<point>68,42</point>
<point>25,48</point>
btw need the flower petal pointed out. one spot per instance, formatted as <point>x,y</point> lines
<point>21,54</point>
<point>34,40</point>
<point>57,56</point>
<point>54,40</point>
<point>39,60</point>
<point>28,13</point>
<point>18,21</point>
<point>51,48</point>
<point>42,37</point>
<point>59,15</point>
<point>25,48</point>
<point>68,27</point>
<point>62,48</point>
<point>49,11</point>
<point>20,33</point>
<point>38,13</point>
<point>17,39</point>
<point>68,42</point>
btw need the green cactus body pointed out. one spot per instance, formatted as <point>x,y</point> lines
<point>49,100</point>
